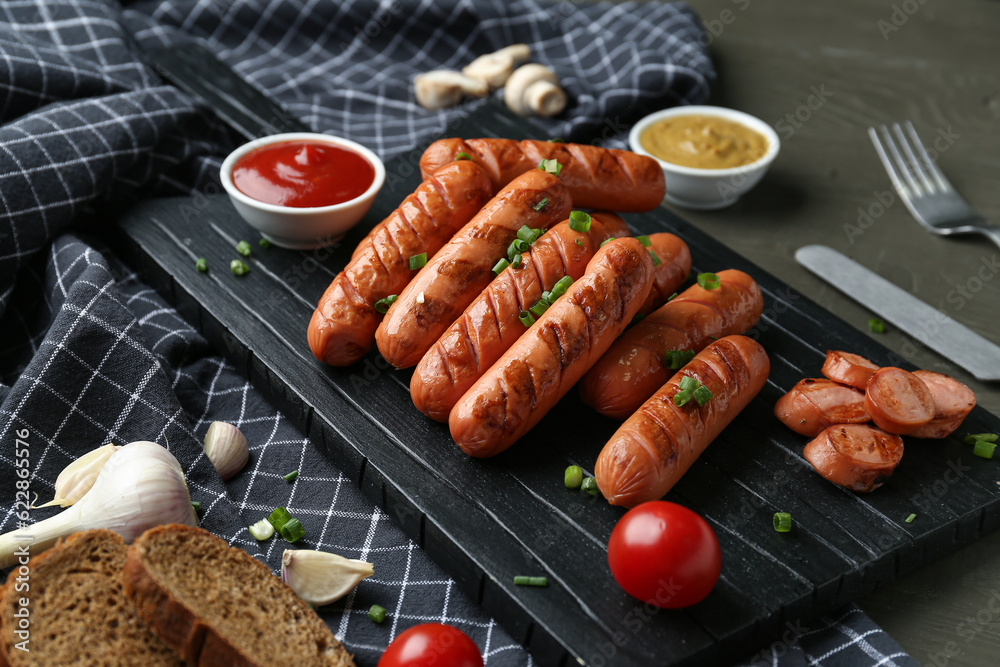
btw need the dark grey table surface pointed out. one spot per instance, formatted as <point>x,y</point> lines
<point>821,73</point>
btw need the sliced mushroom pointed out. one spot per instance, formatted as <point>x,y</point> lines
<point>534,90</point>
<point>493,69</point>
<point>446,88</point>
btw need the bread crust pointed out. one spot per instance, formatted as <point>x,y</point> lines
<point>178,626</point>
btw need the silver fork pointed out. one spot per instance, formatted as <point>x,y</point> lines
<point>923,188</point>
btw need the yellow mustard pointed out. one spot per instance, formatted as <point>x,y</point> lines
<point>703,142</point>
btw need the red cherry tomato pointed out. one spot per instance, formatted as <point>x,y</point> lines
<point>664,554</point>
<point>432,645</point>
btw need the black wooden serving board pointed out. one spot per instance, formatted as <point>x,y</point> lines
<point>485,521</point>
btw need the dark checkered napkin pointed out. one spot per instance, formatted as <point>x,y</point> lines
<point>90,354</point>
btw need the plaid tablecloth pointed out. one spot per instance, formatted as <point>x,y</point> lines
<point>89,354</point>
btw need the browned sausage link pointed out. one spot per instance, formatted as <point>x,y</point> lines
<point>600,178</point>
<point>544,363</point>
<point>633,369</point>
<point>343,325</point>
<point>464,267</point>
<point>491,323</point>
<point>656,446</point>
<point>672,271</point>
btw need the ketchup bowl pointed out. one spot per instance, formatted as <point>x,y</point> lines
<point>302,190</point>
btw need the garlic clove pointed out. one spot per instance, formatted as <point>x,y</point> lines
<point>319,577</point>
<point>226,448</point>
<point>446,88</point>
<point>77,478</point>
<point>493,69</point>
<point>534,89</point>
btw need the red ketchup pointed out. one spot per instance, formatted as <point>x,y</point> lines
<point>302,174</point>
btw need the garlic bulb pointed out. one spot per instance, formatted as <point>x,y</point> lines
<point>534,90</point>
<point>140,486</point>
<point>319,577</point>
<point>226,448</point>
<point>77,478</point>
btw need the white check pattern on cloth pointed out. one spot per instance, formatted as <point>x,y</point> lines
<point>90,354</point>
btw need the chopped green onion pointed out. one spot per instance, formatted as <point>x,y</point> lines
<point>557,140</point>
<point>382,305</point>
<point>984,449</point>
<point>201,265</point>
<point>689,383</point>
<point>579,242</point>
<point>910,518</point>
<point>541,206</point>
<point>638,317</point>
<point>656,258</point>
<point>589,484</point>
<point>539,308</point>
<point>713,338</point>
<point>547,297</point>
<point>606,242</point>
<point>238,267</point>
<point>782,522</point>
<point>682,397</point>
<point>418,261</point>
<point>264,243</point>
<point>579,221</point>
<point>644,240</point>
<point>672,297</point>
<point>262,530</point>
<point>196,504</point>
<point>876,325</point>
<point>515,261</point>
<point>500,266</point>
<point>988,437</point>
<point>462,156</point>
<point>573,477</point>
<point>517,246</point>
<point>551,166</point>
<point>243,248</point>
<point>527,319</point>
<point>290,477</point>
<point>709,281</point>
<point>376,613</point>
<point>561,286</point>
<point>420,298</point>
<point>292,531</point>
<point>526,234</point>
<point>279,517</point>
<point>531,581</point>
<point>677,359</point>
<point>702,394</point>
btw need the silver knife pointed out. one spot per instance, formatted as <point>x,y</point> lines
<point>930,326</point>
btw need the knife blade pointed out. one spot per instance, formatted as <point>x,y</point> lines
<point>949,338</point>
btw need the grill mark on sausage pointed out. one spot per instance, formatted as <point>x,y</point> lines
<point>580,159</point>
<point>623,166</point>
<point>400,213</point>
<point>472,347</point>
<point>442,192</point>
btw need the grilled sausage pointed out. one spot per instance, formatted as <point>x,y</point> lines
<point>538,370</point>
<point>633,369</point>
<point>849,369</point>
<point>673,269</point>
<point>953,401</point>
<point>650,452</point>
<point>342,328</point>
<point>898,401</point>
<point>815,404</point>
<point>855,456</point>
<point>464,266</point>
<point>491,323</point>
<point>599,178</point>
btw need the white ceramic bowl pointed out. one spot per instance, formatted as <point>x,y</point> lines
<point>302,228</point>
<point>707,189</point>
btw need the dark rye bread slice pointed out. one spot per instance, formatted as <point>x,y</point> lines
<point>79,613</point>
<point>215,605</point>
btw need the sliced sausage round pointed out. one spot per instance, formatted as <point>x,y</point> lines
<point>953,401</point>
<point>848,368</point>
<point>855,456</point>
<point>898,401</point>
<point>817,403</point>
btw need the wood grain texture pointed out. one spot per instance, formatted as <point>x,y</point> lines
<point>938,70</point>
